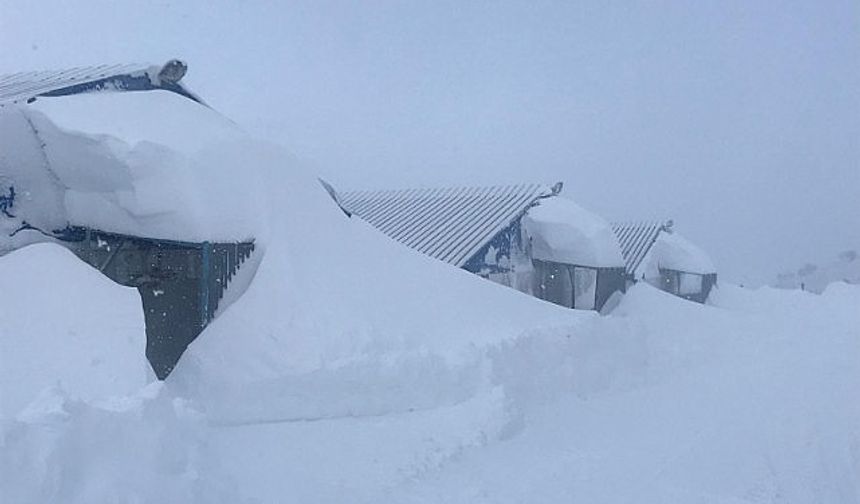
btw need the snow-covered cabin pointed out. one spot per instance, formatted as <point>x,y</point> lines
<point>100,159</point>
<point>524,236</point>
<point>653,252</point>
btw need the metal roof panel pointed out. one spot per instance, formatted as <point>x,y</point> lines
<point>449,224</point>
<point>636,239</point>
<point>24,86</point>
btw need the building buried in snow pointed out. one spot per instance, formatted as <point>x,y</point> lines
<point>653,252</point>
<point>44,174</point>
<point>523,236</point>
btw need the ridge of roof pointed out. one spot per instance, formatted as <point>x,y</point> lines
<point>24,87</point>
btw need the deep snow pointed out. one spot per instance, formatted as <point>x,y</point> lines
<point>750,400</point>
<point>354,369</point>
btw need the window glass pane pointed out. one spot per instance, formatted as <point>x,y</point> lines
<point>669,281</point>
<point>690,284</point>
<point>584,287</point>
<point>555,284</point>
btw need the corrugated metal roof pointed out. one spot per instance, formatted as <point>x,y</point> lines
<point>22,86</point>
<point>450,224</point>
<point>636,239</point>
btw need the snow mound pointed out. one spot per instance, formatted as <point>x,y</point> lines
<point>65,324</point>
<point>345,305</point>
<point>146,447</point>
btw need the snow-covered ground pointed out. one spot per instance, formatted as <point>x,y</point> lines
<point>356,370</point>
<point>816,278</point>
<point>752,399</point>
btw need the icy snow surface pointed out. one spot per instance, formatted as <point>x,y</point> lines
<point>562,231</point>
<point>357,370</point>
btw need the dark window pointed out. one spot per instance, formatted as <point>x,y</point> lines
<point>566,285</point>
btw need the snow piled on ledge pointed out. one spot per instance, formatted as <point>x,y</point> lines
<point>151,164</point>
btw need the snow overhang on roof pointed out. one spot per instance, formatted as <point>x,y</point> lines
<point>449,224</point>
<point>24,87</point>
<point>674,252</point>
<point>562,231</point>
<point>146,164</point>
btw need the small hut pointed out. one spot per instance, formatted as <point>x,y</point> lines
<point>523,236</point>
<point>46,172</point>
<point>653,252</point>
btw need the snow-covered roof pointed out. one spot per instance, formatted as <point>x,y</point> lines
<point>636,239</point>
<point>150,164</point>
<point>24,86</point>
<point>647,246</point>
<point>674,252</point>
<point>562,231</point>
<point>449,224</point>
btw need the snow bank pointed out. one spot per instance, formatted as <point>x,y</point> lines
<point>146,447</point>
<point>562,231</point>
<point>65,324</point>
<point>732,405</point>
<point>329,292</point>
<point>340,303</point>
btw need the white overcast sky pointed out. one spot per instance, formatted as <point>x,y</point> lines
<point>740,120</point>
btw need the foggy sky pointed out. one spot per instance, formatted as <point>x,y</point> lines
<point>739,120</point>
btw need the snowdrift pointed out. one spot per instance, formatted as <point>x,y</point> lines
<point>64,323</point>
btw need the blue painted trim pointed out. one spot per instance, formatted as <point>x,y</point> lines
<point>204,283</point>
<point>7,202</point>
<point>504,242</point>
<point>122,83</point>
